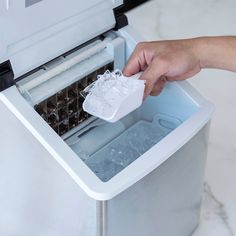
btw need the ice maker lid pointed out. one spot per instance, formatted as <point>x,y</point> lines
<point>34,32</point>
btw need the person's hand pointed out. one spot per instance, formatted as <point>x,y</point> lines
<point>163,61</point>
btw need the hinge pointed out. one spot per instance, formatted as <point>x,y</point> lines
<point>119,12</point>
<point>121,20</point>
<point>6,75</point>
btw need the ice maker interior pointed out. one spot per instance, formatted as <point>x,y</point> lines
<point>108,148</point>
<point>55,93</point>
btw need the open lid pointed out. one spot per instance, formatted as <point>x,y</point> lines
<point>34,32</point>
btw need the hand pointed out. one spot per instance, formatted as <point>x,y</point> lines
<point>163,61</point>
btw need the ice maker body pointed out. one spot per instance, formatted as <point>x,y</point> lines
<point>51,190</point>
<point>38,197</point>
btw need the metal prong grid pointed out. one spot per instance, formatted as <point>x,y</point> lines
<point>63,111</point>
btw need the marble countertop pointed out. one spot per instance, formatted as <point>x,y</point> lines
<point>172,19</point>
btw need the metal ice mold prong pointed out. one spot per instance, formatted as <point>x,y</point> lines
<point>86,91</point>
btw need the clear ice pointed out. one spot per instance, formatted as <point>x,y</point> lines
<point>126,148</point>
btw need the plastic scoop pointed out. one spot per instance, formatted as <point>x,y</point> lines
<point>113,95</point>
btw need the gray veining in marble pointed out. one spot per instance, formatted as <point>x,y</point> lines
<point>214,210</point>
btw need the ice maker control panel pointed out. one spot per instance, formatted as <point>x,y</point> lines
<point>63,111</point>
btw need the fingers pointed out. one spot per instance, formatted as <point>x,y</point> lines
<point>136,62</point>
<point>173,59</point>
<point>144,59</point>
<point>158,87</point>
<point>152,74</point>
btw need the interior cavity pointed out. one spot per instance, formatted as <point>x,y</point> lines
<point>108,148</point>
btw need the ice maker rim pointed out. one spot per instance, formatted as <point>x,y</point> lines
<point>78,170</point>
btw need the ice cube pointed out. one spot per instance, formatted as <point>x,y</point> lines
<point>123,155</point>
<point>105,169</point>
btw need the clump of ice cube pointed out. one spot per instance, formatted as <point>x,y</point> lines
<point>108,92</point>
<point>126,148</point>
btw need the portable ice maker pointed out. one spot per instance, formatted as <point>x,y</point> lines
<point>63,172</point>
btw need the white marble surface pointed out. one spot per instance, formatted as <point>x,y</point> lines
<point>171,19</point>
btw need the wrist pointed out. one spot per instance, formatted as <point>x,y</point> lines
<point>200,50</point>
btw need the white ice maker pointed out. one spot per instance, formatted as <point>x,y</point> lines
<point>63,172</point>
